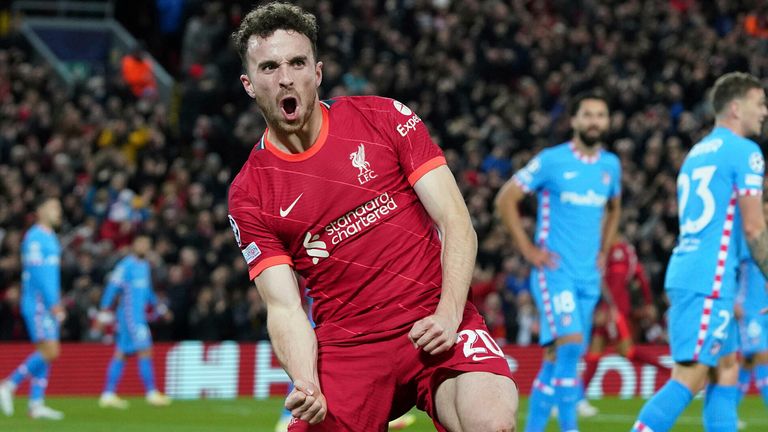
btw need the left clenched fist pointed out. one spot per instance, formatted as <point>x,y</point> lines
<point>434,334</point>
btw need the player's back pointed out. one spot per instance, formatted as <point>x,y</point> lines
<point>132,278</point>
<point>716,171</point>
<point>40,260</point>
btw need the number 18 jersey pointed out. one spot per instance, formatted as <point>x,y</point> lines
<point>717,170</point>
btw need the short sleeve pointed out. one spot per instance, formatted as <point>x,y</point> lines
<point>118,274</point>
<point>532,176</point>
<point>749,169</point>
<point>616,179</point>
<point>257,241</point>
<point>417,153</point>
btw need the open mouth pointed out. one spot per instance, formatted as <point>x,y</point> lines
<point>289,107</point>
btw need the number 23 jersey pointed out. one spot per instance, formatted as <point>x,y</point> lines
<point>345,215</point>
<point>717,170</point>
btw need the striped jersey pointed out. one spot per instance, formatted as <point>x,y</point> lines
<point>41,270</point>
<point>131,284</point>
<point>572,190</point>
<point>717,170</point>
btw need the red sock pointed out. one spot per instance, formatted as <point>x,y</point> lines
<point>591,360</point>
<point>641,357</point>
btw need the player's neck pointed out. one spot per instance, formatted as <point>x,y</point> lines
<point>45,226</point>
<point>585,149</point>
<point>301,140</point>
<point>731,124</point>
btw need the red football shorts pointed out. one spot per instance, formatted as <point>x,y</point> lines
<point>369,384</point>
<point>613,330</point>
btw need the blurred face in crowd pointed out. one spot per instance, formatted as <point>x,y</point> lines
<point>283,77</point>
<point>142,245</point>
<point>591,122</point>
<point>49,213</point>
<point>752,111</point>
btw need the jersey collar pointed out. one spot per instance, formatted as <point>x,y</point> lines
<point>298,157</point>
<point>587,159</point>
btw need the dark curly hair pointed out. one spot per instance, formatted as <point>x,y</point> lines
<point>596,94</point>
<point>267,18</point>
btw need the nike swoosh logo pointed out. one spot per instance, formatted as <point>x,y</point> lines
<point>284,213</point>
<point>479,358</point>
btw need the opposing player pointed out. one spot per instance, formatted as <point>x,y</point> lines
<point>131,284</point>
<point>719,190</point>
<point>614,314</point>
<point>354,195</point>
<point>578,185</point>
<point>751,301</point>
<point>41,308</point>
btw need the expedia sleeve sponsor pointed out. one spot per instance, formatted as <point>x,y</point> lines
<point>410,138</point>
<point>408,126</point>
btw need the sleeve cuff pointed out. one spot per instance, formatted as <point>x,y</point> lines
<point>750,192</point>
<point>269,262</point>
<point>425,168</point>
<point>522,185</point>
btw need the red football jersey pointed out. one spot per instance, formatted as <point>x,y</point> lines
<point>344,214</point>
<point>621,267</point>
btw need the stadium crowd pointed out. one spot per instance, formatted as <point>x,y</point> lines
<point>491,79</point>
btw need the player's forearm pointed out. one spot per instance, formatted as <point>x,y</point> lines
<point>51,288</point>
<point>507,209</point>
<point>109,296</point>
<point>758,247</point>
<point>606,293</point>
<point>610,226</point>
<point>459,252</point>
<point>645,284</point>
<point>294,342</point>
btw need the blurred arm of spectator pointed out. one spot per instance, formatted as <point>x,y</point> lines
<point>138,74</point>
<point>201,319</point>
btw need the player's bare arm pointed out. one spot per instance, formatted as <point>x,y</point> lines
<point>507,207</point>
<point>293,341</point>
<point>753,220</point>
<point>440,196</point>
<point>610,228</point>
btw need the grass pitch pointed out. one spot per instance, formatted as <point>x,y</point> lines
<point>83,415</point>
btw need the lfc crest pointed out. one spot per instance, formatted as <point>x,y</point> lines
<point>359,162</point>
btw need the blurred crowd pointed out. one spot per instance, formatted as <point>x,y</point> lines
<point>491,79</point>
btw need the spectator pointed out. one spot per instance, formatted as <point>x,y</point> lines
<point>490,78</point>
<point>138,74</point>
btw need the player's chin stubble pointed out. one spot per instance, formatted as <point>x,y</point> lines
<point>275,121</point>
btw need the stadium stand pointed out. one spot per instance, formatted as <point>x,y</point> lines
<point>491,79</point>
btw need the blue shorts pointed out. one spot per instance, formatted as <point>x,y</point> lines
<point>41,326</point>
<point>133,339</point>
<point>753,334</point>
<point>565,305</point>
<point>701,329</point>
